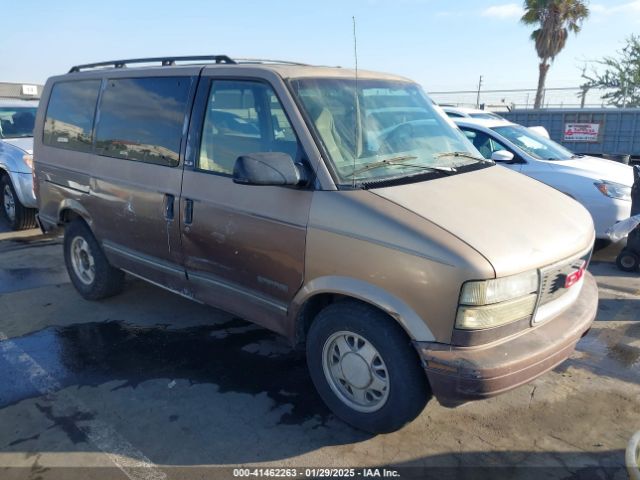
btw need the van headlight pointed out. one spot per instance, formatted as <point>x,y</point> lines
<point>490,303</point>
<point>614,190</point>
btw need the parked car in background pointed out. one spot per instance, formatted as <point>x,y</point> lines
<point>540,130</point>
<point>602,186</point>
<point>17,118</point>
<point>378,238</point>
<point>464,112</point>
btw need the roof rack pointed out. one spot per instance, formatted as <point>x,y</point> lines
<point>266,60</point>
<point>168,61</point>
<point>165,61</point>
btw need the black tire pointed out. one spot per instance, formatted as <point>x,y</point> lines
<point>23,218</point>
<point>601,244</point>
<point>628,261</point>
<point>107,280</point>
<point>408,389</point>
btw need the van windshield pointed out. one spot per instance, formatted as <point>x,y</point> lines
<point>17,122</point>
<point>390,130</point>
<point>534,144</point>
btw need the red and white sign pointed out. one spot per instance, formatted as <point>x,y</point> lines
<point>581,132</point>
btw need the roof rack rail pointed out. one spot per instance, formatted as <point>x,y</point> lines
<point>267,60</point>
<point>165,61</point>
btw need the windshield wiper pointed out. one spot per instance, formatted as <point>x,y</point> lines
<point>382,163</point>
<point>462,154</point>
<point>402,161</point>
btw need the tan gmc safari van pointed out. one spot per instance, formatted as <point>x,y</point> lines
<point>348,214</point>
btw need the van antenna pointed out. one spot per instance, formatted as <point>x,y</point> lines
<point>356,123</point>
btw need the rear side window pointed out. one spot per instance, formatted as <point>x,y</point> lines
<point>69,120</point>
<point>141,119</point>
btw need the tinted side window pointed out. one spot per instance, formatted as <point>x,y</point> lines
<point>243,117</point>
<point>142,118</point>
<point>69,120</point>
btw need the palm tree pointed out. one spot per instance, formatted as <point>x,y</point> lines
<point>555,19</point>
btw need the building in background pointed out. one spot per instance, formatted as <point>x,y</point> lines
<point>27,91</point>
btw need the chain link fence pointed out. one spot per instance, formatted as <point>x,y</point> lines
<point>563,97</point>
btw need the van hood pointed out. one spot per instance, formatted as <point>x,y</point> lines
<point>597,169</point>
<point>515,222</point>
<point>25,144</point>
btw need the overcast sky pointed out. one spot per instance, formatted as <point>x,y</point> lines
<point>443,44</point>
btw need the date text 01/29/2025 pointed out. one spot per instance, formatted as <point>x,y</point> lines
<point>316,472</point>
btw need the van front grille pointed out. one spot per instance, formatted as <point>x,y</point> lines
<point>553,277</point>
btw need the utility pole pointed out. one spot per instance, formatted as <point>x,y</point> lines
<point>479,88</point>
<point>583,95</point>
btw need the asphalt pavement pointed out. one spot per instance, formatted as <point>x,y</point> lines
<point>148,385</point>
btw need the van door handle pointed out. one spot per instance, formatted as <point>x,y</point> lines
<point>188,211</point>
<point>168,206</point>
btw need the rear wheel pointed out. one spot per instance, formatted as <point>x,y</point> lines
<point>628,261</point>
<point>88,267</point>
<point>18,216</point>
<point>365,368</point>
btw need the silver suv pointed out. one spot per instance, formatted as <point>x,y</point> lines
<point>17,118</point>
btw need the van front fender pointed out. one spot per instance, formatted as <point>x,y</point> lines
<point>397,309</point>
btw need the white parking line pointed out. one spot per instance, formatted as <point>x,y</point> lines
<point>133,463</point>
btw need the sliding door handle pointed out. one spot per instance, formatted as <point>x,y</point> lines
<point>188,211</point>
<point>169,200</point>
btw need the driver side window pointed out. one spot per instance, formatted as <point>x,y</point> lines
<point>243,117</point>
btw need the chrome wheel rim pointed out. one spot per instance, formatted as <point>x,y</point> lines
<point>355,371</point>
<point>82,261</point>
<point>9,203</point>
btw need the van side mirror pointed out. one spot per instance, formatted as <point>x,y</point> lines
<point>502,156</point>
<point>268,168</point>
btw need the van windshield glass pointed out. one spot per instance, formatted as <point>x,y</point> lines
<point>535,145</point>
<point>17,122</point>
<point>390,130</point>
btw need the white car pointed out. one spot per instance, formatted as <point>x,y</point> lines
<point>464,112</point>
<point>18,200</point>
<point>602,186</point>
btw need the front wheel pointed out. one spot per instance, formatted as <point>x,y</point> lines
<point>365,368</point>
<point>18,216</point>
<point>628,261</point>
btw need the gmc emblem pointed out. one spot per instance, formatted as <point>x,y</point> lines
<point>575,277</point>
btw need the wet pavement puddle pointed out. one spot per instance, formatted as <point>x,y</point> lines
<point>235,356</point>
<point>613,352</point>
<point>16,279</point>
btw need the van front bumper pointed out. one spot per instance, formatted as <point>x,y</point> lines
<point>460,374</point>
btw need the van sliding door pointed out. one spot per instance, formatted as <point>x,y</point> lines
<point>138,172</point>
